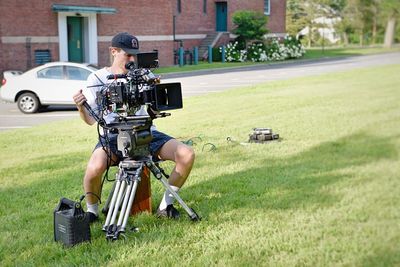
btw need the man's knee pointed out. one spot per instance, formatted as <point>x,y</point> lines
<point>95,169</point>
<point>185,155</point>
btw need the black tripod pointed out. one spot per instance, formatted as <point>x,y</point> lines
<point>134,136</point>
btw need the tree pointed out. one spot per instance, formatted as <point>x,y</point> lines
<point>250,25</point>
<point>358,18</point>
<point>310,14</point>
<point>391,9</point>
<point>362,21</point>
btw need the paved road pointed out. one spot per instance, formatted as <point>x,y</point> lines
<point>12,118</point>
<point>201,82</point>
<point>218,80</point>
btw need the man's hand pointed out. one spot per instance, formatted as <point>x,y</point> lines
<point>79,99</point>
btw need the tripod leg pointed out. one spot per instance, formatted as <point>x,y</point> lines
<point>193,215</point>
<point>131,198</point>
<point>158,174</point>
<point>112,204</point>
<point>112,227</point>
<point>132,179</point>
<point>125,203</point>
<point>108,202</point>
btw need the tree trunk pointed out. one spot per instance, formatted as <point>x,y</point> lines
<point>374,30</point>
<point>389,32</point>
<point>345,39</point>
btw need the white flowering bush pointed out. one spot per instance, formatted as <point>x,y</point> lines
<point>274,50</point>
<point>294,48</point>
<point>233,53</point>
<point>256,52</point>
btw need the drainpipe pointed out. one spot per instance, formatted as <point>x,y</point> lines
<point>173,26</point>
<point>28,53</point>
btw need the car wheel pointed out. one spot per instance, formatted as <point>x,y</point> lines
<point>28,103</point>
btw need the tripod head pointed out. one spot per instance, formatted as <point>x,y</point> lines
<point>134,137</point>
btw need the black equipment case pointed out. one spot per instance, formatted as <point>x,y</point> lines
<point>71,223</point>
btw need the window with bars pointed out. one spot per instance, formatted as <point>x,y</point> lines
<point>178,6</point>
<point>267,7</point>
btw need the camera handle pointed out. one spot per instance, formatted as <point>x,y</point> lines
<point>93,114</point>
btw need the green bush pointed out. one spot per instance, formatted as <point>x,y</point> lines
<point>216,54</point>
<point>250,25</point>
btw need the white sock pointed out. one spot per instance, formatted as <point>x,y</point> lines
<point>93,208</point>
<point>168,198</point>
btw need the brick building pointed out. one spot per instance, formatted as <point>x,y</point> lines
<point>81,30</point>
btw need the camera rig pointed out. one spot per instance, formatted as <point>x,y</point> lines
<point>133,100</point>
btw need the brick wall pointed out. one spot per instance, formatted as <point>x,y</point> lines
<point>193,19</point>
<point>277,18</point>
<point>139,17</point>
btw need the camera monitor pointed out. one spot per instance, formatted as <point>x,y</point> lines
<point>147,60</point>
<point>168,96</point>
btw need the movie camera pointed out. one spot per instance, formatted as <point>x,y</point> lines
<point>139,86</point>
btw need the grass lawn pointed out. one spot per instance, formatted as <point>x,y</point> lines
<point>351,51</point>
<point>327,194</point>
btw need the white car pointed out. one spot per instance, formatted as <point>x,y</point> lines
<point>53,83</point>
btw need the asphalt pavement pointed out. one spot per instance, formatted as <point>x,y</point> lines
<point>208,81</point>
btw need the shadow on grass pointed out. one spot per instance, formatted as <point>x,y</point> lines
<point>281,183</point>
<point>294,182</point>
<point>387,257</point>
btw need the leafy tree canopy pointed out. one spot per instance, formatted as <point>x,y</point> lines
<point>250,25</point>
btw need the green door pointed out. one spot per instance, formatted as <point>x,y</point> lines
<point>221,16</point>
<point>75,44</point>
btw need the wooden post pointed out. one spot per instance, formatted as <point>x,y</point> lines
<point>196,55</point>
<point>142,200</point>
<point>180,56</point>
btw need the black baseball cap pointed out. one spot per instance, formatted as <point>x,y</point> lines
<point>127,42</point>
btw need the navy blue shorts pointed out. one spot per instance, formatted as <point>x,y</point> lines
<point>159,139</point>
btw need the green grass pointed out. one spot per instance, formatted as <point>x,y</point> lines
<point>314,53</point>
<point>327,194</point>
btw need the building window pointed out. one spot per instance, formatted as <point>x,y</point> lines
<point>178,6</point>
<point>267,7</point>
<point>205,6</point>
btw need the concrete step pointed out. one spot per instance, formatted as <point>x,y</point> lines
<point>209,40</point>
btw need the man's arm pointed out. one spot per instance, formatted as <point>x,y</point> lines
<point>80,99</point>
